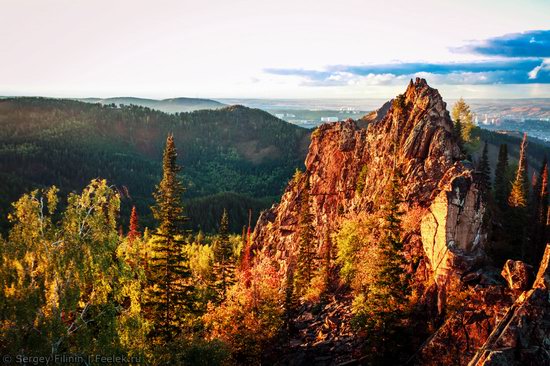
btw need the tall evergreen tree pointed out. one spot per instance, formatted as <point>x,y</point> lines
<point>133,233</point>
<point>223,252</point>
<point>387,296</point>
<point>485,169</point>
<point>457,130</point>
<point>170,295</point>
<point>306,252</point>
<point>539,212</point>
<point>518,201</point>
<point>464,122</point>
<point>292,301</point>
<point>502,186</point>
<point>327,262</point>
<point>520,187</point>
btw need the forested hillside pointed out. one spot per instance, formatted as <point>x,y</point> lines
<point>172,105</point>
<point>235,157</point>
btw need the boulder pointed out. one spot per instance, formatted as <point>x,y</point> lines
<point>524,331</point>
<point>517,274</point>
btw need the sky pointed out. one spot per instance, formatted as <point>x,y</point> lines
<point>274,49</point>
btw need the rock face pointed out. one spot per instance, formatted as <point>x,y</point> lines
<point>522,337</point>
<point>452,231</point>
<point>415,135</point>
<point>517,274</point>
<point>347,169</point>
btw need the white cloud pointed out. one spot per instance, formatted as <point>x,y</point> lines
<point>545,65</point>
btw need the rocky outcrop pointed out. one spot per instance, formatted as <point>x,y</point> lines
<point>415,135</point>
<point>470,321</point>
<point>496,324</point>
<point>517,274</point>
<point>347,169</point>
<point>522,336</point>
<point>452,231</point>
<point>322,337</point>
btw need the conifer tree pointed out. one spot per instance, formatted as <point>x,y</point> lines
<point>327,260</point>
<point>306,250</point>
<point>457,130</point>
<point>502,186</point>
<point>518,201</point>
<point>463,118</point>
<point>520,187</point>
<point>169,294</point>
<point>291,299</point>
<point>539,215</point>
<point>387,295</point>
<point>224,266</point>
<point>133,233</point>
<point>485,169</point>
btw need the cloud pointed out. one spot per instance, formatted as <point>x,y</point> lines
<point>544,66</point>
<point>518,58</point>
<point>511,71</point>
<point>527,44</point>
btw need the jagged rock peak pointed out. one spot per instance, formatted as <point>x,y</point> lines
<point>347,167</point>
<point>347,170</point>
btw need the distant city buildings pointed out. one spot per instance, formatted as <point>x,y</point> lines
<point>329,119</point>
<point>284,115</point>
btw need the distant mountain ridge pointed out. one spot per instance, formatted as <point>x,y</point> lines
<point>170,105</point>
<point>234,157</point>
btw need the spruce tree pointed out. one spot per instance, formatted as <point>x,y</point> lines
<point>386,299</point>
<point>502,186</point>
<point>520,187</point>
<point>224,266</point>
<point>292,301</point>
<point>464,119</point>
<point>457,130</point>
<point>485,169</point>
<point>539,215</point>
<point>306,249</point>
<point>133,232</point>
<point>518,201</point>
<point>169,293</point>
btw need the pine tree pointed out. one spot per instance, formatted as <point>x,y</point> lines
<point>485,169</point>
<point>327,265</point>
<point>457,130</point>
<point>520,187</point>
<point>502,186</point>
<point>464,123</point>
<point>169,294</point>
<point>385,303</point>
<point>133,232</point>
<point>518,201</point>
<point>291,299</point>
<point>306,250</point>
<point>223,252</point>
<point>539,215</point>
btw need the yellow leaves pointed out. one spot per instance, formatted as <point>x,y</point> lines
<point>201,259</point>
<point>354,236</point>
<point>52,298</point>
<point>51,195</point>
<point>10,291</point>
<point>53,272</point>
<point>251,315</point>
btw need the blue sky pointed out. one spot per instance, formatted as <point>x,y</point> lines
<point>274,49</point>
<point>517,58</point>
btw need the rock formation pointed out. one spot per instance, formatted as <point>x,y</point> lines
<point>416,136</point>
<point>347,168</point>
